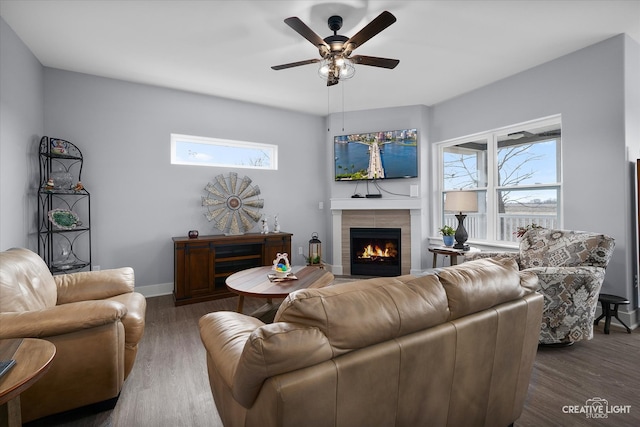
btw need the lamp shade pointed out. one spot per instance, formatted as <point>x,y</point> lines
<point>461,201</point>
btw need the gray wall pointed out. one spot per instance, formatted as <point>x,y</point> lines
<point>21,125</point>
<point>139,200</point>
<point>587,89</point>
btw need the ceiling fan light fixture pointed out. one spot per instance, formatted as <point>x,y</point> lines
<point>323,71</point>
<point>336,66</point>
<point>347,70</point>
<point>335,50</point>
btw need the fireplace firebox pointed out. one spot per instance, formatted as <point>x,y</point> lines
<point>375,251</point>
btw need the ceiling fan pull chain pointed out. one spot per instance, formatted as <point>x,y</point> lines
<point>343,108</point>
<point>328,108</point>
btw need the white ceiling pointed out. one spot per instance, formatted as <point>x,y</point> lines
<point>226,48</point>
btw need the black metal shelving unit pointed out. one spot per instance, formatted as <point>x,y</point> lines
<point>64,245</point>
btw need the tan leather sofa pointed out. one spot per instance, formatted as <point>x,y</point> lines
<point>94,319</point>
<point>455,348</point>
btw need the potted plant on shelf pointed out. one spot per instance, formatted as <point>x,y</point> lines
<point>447,234</point>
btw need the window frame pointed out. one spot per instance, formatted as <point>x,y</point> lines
<point>271,149</point>
<point>492,179</point>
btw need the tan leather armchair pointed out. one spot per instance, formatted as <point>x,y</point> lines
<point>95,320</point>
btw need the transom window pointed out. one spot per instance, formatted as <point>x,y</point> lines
<point>516,174</point>
<point>202,151</point>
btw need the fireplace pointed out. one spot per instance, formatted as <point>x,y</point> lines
<point>375,251</point>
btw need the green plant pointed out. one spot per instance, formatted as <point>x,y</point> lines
<point>447,230</point>
<point>312,260</point>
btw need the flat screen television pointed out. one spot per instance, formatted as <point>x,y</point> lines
<point>376,155</point>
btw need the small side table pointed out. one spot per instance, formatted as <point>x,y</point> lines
<point>610,305</point>
<point>449,251</point>
<point>33,358</point>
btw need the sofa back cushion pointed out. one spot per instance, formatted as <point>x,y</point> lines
<point>358,314</point>
<point>26,284</point>
<point>542,247</point>
<point>484,283</point>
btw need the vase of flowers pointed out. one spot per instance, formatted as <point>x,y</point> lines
<point>447,234</point>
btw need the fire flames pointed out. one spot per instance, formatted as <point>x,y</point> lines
<point>373,252</point>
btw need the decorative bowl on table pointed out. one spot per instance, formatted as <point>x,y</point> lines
<point>281,271</point>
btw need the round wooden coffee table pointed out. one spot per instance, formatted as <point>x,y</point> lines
<point>33,358</point>
<point>255,282</point>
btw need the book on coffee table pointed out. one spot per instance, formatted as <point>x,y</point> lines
<point>8,348</point>
<point>5,365</point>
<point>274,278</point>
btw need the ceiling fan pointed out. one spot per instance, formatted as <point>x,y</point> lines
<point>335,51</point>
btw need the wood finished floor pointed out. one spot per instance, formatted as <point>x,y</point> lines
<point>168,385</point>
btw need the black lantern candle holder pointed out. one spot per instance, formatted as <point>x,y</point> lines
<point>315,250</point>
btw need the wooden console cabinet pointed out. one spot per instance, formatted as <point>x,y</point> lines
<point>201,265</point>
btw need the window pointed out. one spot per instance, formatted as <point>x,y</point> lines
<point>516,173</point>
<point>201,151</point>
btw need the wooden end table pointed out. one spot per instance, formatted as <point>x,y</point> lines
<point>449,251</point>
<point>255,282</point>
<point>33,358</point>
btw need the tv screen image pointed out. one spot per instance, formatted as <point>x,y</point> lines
<point>376,155</point>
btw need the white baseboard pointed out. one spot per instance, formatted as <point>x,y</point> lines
<point>336,270</point>
<point>155,290</point>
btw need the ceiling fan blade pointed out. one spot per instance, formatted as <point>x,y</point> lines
<point>306,32</point>
<point>295,64</point>
<point>381,22</point>
<point>375,61</point>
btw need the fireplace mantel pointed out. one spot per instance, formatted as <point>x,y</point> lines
<point>363,203</point>
<point>412,205</point>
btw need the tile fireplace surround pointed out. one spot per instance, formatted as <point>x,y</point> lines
<point>405,214</point>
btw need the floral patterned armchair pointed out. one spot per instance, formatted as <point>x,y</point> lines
<point>570,266</point>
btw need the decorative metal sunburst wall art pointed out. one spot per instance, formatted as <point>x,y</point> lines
<point>232,204</point>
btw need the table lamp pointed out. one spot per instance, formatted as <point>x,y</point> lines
<point>461,201</point>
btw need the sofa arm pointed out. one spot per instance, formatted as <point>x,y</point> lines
<point>94,285</point>
<point>573,278</point>
<point>224,335</point>
<point>61,319</point>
